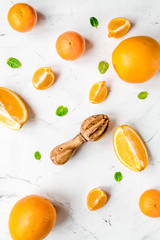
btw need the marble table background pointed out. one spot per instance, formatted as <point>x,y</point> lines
<point>94,164</point>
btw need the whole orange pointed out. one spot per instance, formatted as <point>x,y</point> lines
<point>137,59</point>
<point>149,203</point>
<point>31,218</point>
<point>22,17</point>
<point>70,45</point>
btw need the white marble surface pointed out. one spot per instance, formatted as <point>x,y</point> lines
<point>94,164</point>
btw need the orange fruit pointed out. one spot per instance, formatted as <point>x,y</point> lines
<point>43,78</point>
<point>13,112</point>
<point>70,45</point>
<point>137,59</point>
<point>32,218</point>
<point>96,199</point>
<point>118,27</point>
<point>149,203</point>
<point>130,148</point>
<point>98,92</point>
<point>22,17</point>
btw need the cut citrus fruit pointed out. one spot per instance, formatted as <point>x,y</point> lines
<point>13,112</point>
<point>118,27</point>
<point>130,148</point>
<point>96,199</point>
<point>43,78</point>
<point>98,92</point>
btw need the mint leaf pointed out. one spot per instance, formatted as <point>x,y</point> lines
<point>37,155</point>
<point>13,62</point>
<point>118,176</point>
<point>103,66</point>
<point>61,111</point>
<point>94,22</point>
<point>142,95</point>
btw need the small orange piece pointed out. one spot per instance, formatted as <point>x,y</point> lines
<point>96,199</point>
<point>22,17</point>
<point>118,27</point>
<point>32,218</point>
<point>70,45</point>
<point>98,92</point>
<point>13,112</point>
<point>43,78</point>
<point>149,203</point>
<point>130,148</point>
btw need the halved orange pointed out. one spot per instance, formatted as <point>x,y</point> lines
<point>130,148</point>
<point>118,27</point>
<point>98,92</point>
<point>96,199</point>
<point>43,78</point>
<point>13,112</point>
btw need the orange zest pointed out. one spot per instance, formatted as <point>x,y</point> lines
<point>98,92</point>
<point>130,148</point>
<point>13,112</point>
<point>118,27</point>
<point>96,199</point>
<point>43,78</point>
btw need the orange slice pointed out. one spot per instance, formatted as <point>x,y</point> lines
<point>43,78</point>
<point>118,27</point>
<point>130,148</point>
<point>96,199</point>
<point>98,92</point>
<point>13,112</point>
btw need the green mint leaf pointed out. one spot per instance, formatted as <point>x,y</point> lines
<point>13,62</point>
<point>103,66</point>
<point>94,22</point>
<point>61,111</point>
<point>142,95</point>
<point>37,155</point>
<point>118,176</point>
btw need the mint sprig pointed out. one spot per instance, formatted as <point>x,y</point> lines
<point>13,62</point>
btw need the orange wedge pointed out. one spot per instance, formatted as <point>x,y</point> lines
<point>130,148</point>
<point>43,78</point>
<point>96,199</point>
<point>13,112</point>
<point>98,92</point>
<point>118,27</point>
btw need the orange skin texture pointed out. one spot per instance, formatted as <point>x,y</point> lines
<point>22,17</point>
<point>70,45</point>
<point>149,203</point>
<point>32,218</point>
<point>137,59</point>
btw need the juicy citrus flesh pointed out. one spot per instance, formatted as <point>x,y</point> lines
<point>32,218</point>
<point>43,78</point>
<point>70,45</point>
<point>96,199</point>
<point>130,148</point>
<point>149,203</point>
<point>98,92</point>
<point>118,27</point>
<point>137,59</point>
<point>22,17</point>
<point>13,112</point>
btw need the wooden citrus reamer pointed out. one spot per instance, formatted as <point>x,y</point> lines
<point>92,129</point>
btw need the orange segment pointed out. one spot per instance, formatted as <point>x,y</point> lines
<point>130,148</point>
<point>98,92</point>
<point>43,78</point>
<point>13,113</point>
<point>96,199</point>
<point>118,27</point>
